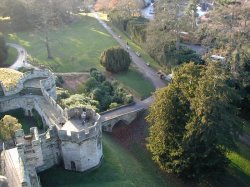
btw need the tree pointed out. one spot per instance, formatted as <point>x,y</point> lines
<point>115,59</point>
<point>168,23</point>
<point>9,125</point>
<point>193,121</point>
<point>79,100</point>
<point>123,11</point>
<point>3,50</point>
<point>191,11</point>
<point>48,15</point>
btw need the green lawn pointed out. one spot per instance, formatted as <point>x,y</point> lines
<point>12,56</point>
<point>77,47</point>
<point>240,164</point>
<point>119,168</point>
<point>136,83</point>
<point>74,47</point>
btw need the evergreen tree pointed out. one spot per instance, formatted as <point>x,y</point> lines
<point>194,121</point>
<point>115,59</point>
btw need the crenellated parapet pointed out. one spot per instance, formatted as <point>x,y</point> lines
<point>80,136</point>
<point>75,129</point>
<point>74,136</point>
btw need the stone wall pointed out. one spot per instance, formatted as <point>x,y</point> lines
<point>14,169</point>
<point>11,103</point>
<point>26,76</point>
<point>79,150</point>
<point>82,135</point>
<point>127,118</point>
<point>41,151</point>
<point>83,152</point>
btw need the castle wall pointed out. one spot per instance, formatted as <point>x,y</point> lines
<point>82,149</point>
<point>14,169</point>
<point>79,150</point>
<point>41,151</point>
<point>82,156</point>
<point>27,76</point>
<point>25,102</point>
<point>50,149</point>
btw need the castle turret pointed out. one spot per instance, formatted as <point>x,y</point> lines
<point>81,144</point>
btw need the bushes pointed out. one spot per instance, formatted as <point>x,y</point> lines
<point>173,57</point>
<point>115,59</point>
<point>97,93</point>
<point>136,28</point>
<point>107,94</point>
<point>79,100</point>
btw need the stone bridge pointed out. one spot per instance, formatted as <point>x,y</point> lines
<point>125,114</point>
<point>127,118</point>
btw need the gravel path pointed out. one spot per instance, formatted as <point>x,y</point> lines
<point>21,60</point>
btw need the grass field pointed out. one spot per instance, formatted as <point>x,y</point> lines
<point>12,56</point>
<point>134,82</point>
<point>240,164</point>
<point>119,168</point>
<point>74,47</point>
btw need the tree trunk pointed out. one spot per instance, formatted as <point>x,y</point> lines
<point>177,44</point>
<point>48,47</point>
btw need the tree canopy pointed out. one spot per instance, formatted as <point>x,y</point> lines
<point>115,59</point>
<point>8,126</point>
<point>193,121</point>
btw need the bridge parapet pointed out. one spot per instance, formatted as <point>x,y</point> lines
<point>127,118</point>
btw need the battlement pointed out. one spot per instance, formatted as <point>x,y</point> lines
<point>34,136</point>
<point>72,132</point>
<point>74,135</point>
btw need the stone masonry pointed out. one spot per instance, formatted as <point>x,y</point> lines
<point>73,138</point>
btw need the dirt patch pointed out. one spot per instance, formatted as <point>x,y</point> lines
<point>73,81</point>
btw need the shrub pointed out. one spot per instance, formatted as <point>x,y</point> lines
<point>114,105</point>
<point>115,59</point>
<point>91,84</point>
<point>59,81</point>
<point>97,75</point>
